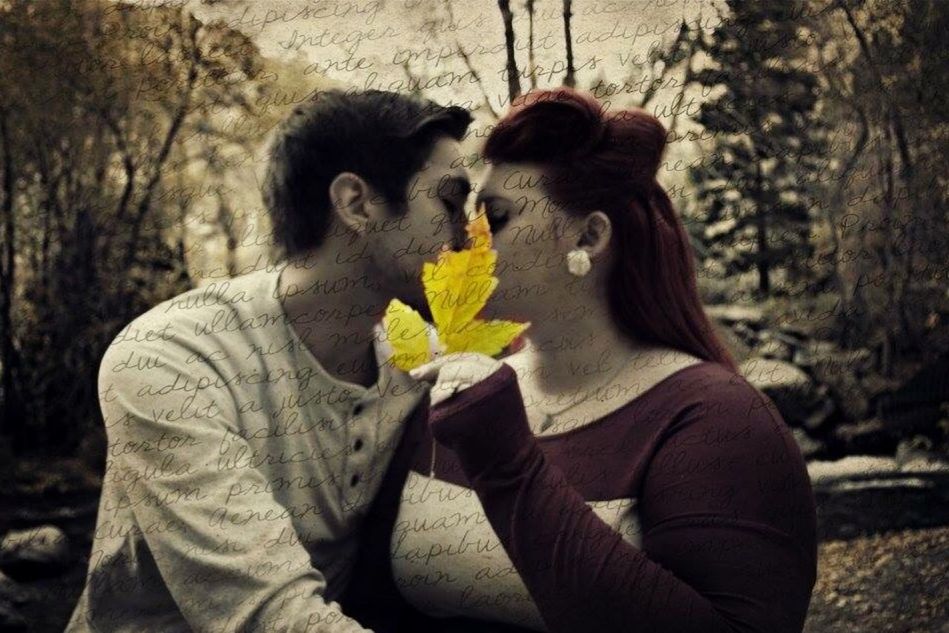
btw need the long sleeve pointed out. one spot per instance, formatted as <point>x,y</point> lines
<point>726,511</point>
<point>225,548</point>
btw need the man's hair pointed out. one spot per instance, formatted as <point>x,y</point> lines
<point>384,137</point>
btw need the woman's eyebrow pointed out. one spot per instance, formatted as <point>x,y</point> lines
<point>485,196</point>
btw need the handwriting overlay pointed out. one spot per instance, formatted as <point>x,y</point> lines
<point>722,223</point>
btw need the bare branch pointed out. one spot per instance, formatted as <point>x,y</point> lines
<point>513,78</point>
<point>167,143</point>
<point>531,67</point>
<point>569,79</point>
<point>895,117</point>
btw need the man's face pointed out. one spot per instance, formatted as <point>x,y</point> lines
<point>435,216</point>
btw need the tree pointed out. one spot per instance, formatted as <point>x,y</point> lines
<point>768,138</point>
<point>96,102</point>
<point>881,69</point>
<point>513,76</point>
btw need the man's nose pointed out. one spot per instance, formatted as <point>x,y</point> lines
<point>459,237</point>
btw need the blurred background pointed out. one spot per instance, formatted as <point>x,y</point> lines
<point>807,155</point>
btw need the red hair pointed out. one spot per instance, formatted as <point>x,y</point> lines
<point>597,160</point>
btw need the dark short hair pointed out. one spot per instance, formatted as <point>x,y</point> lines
<point>384,137</point>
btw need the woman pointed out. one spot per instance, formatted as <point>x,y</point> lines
<point>617,474</point>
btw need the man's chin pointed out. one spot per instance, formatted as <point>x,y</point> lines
<point>420,306</point>
<point>505,310</point>
<point>415,299</point>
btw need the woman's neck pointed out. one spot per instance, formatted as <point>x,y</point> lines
<point>578,354</point>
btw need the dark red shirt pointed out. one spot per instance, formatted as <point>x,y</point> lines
<point>726,508</point>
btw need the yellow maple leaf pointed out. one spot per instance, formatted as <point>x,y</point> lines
<point>406,331</point>
<point>457,287</point>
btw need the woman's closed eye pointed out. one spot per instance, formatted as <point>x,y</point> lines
<point>497,218</point>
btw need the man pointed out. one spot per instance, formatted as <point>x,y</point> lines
<point>250,422</point>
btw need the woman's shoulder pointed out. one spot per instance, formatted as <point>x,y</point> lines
<point>730,450</point>
<point>715,394</point>
<point>713,409</point>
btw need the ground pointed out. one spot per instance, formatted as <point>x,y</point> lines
<point>882,566</point>
<point>895,582</point>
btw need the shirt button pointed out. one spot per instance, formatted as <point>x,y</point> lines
<point>357,444</point>
<point>358,408</point>
<point>354,480</point>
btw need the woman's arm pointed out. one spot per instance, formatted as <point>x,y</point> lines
<point>722,496</point>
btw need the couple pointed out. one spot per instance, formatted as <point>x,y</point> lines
<point>269,469</point>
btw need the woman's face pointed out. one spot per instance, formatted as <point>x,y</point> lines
<point>532,236</point>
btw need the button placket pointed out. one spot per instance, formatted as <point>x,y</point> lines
<point>357,431</point>
<point>356,457</point>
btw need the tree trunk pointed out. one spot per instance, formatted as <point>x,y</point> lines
<point>12,403</point>
<point>513,80</point>
<point>225,219</point>
<point>531,74</point>
<point>761,228</point>
<point>570,79</point>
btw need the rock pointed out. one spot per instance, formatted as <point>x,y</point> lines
<point>914,408</point>
<point>917,457</point>
<point>867,436</point>
<point>730,314</point>
<point>822,360</point>
<point>853,467</point>
<point>845,390</point>
<point>10,620</point>
<point>810,448</point>
<point>34,553</point>
<point>858,361</point>
<point>823,412</point>
<point>795,331</point>
<point>791,390</point>
<point>10,591</point>
<point>875,385</point>
<point>10,596</point>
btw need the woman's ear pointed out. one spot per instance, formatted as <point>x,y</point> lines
<point>350,196</point>
<point>595,232</point>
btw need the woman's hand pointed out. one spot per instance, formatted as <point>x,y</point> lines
<point>453,372</point>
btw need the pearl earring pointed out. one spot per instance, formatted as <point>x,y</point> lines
<point>578,262</point>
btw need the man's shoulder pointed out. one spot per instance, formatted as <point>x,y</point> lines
<point>192,316</point>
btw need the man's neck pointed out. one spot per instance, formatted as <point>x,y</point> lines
<point>337,305</point>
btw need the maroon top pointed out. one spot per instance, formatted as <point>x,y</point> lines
<point>725,504</point>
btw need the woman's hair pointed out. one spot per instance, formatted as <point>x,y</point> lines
<point>597,160</point>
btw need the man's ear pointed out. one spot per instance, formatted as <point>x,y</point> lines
<point>594,233</point>
<point>350,196</point>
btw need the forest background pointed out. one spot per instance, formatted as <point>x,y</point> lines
<point>806,155</point>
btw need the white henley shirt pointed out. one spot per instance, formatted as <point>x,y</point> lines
<point>238,469</point>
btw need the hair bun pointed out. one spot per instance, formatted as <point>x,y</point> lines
<point>641,137</point>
